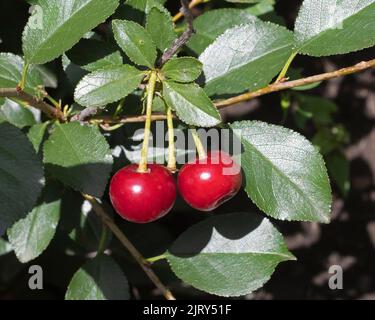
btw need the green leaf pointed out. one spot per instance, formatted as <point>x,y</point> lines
<point>266,9</point>
<point>5,247</point>
<point>246,57</point>
<point>228,255</point>
<point>59,24</point>
<point>16,114</point>
<point>87,227</point>
<point>92,55</point>
<point>135,41</point>
<point>79,156</point>
<point>159,105</point>
<point>213,23</point>
<point>321,109</point>
<point>160,27</point>
<point>137,10</point>
<point>73,72</point>
<point>11,73</point>
<point>99,279</point>
<point>285,176</point>
<point>339,170</point>
<point>29,237</point>
<point>329,27</point>
<point>191,104</point>
<point>107,85</point>
<point>144,5</point>
<point>329,138</point>
<point>185,69</point>
<point>36,135</point>
<point>21,176</point>
<point>49,78</point>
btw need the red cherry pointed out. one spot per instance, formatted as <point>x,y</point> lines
<point>142,197</point>
<point>207,183</point>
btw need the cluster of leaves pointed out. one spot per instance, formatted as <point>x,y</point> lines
<point>237,50</point>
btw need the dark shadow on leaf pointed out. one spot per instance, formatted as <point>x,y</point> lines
<point>90,178</point>
<point>232,227</point>
<point>108,277</point>
<point>88,51</point>
<point>127,12</point>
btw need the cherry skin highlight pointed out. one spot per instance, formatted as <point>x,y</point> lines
<point>207,183</point>
<point>142,197</point>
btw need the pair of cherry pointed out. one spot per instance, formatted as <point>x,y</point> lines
<point>204,184</point>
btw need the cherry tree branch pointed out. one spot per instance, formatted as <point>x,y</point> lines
<point>126,119</point>
<point>279,86</point>
<point>35,102</point>
<point>85,113</point>
<point>192,4</point>
<point>145,265</point>
<point>184,38</point>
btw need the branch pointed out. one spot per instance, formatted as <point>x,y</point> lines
<point>126,119</point>
<point>85,113</point>
<point>192,4</point>
<point>18,93</point>
<point>99,210</point>
<point>184,38</point>
<point>55,113</point>
<point>251,95</point>
<point>279,86</point>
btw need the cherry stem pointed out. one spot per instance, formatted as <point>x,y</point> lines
<point>150,98</point>
<point>171,147</point>
<point>144,264</point>
<point>198,144</point>
<point>192,4</point>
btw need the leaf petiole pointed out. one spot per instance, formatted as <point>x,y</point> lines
<point>286,67</point>
<point>157,258</point>
<point>25,69</point>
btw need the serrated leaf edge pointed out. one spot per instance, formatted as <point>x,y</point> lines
<point>150,38</point>
<point>300,48</point>
<point>30,19</point>
<point>326,221</point>
<point>182,58</point>
<point>108,68</point>
<point>166,14</point>
<point>194,124</point>
<point>292,43</point>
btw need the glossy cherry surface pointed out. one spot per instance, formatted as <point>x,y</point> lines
<point>142,197</point>
<point>207,183</point>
